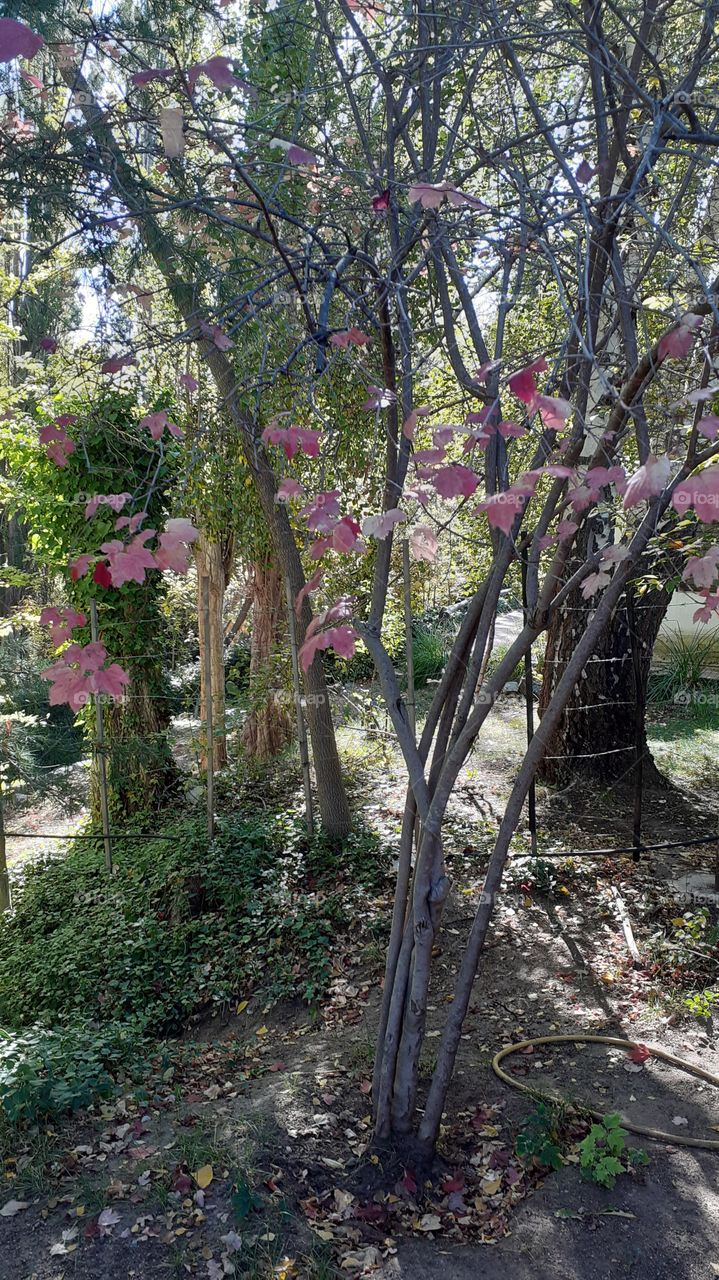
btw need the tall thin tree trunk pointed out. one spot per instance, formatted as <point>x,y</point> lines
<point>211,559</point>
<point>269,724</point>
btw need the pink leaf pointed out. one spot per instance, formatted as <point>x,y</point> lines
<point>310,586</point>
<point>553,410</point>
<point>116,363</point>
<point>455,480</point>
<point>431,196</point>
<point>323,511</point>
<point>353,335</point>
<point>593,583</point>
<point>381,525</point>
<point>423,543</point>
<point>180,530</point>
<point>410,423</point>
<point>214,333</point>
<point>341,639</point>
<point>128,562</point>
<point>522,384</point>
<point>345,536</point>
<point>30,79</point>
<point>216,69</point>
<point>80,566</point>
<point>482,373</point>
<point>566,529</point>
<point>157,423</point>
<point>703,569</point>
<point>378,398</point>
<point>585,172</point>
<point>381,202</point>
<point>700,491</point>
<point>709,426</point>
<point>708,609</point>
<point>509,429</point>
<point>62,623</point>
<point>288,489</point>
<point>677,343</point>
<point>141,78</point>
<point>17,40</point>
<point>648,481</point>
<point>188,382</point>
<point>502,508</point>
<point>298,155</point>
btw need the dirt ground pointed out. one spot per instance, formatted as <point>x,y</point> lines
<point>274,1103</point>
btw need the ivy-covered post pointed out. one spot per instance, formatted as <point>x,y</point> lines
<point>209,728</point>
<point>100,752</point>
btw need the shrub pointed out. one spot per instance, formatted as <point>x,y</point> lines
<point>180,926</point>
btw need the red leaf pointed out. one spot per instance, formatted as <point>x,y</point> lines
<point>408,1183</point>
<point>640,1053</point>
<point>452,1184</point>
<point>102,575</point>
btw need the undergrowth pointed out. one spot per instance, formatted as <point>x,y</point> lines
<point>91,966</point>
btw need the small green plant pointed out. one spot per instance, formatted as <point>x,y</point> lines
<point>702,1004</point>
<point>429,654</point>
<point>682,661</point>
<point>604,1154</point>
<point>540,1137</point>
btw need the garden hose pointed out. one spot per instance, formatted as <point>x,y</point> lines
<point>677,1140</point>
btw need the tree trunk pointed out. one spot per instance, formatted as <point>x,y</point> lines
<point>141,772</point>
<point>213,562</point>
<point>596,737</point>
<point>269,724</point>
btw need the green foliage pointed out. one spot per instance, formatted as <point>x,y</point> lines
<point>603,1154</point>
<point>179,930</point>
<point>44,1072</point>
<point>429,654</point>
<point>703,1003</point>
<point>682,661</point>
<point>35,735</point>
<point>540,1137</point>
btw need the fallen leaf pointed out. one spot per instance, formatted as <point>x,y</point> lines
<point>203,1177</point>
<point>679,1120</point>
<point>430,1222</point>
<point>640,1053</point>
<point>12,1207</point>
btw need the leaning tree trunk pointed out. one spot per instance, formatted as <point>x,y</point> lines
<point>213,559</point>
<point>597,735</point>
<point>269,725</point>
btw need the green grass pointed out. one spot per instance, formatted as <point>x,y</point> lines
<point>685,741</point>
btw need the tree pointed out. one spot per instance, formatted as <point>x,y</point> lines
<point>479,180</point>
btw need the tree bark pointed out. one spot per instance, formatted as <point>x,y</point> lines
<point>214,561</point>
<point>596,737</point>
<point>269,725</point>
